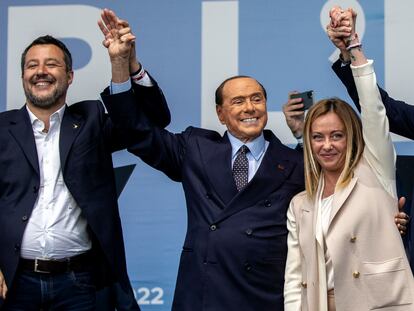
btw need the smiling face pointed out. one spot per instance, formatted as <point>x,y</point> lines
<point>243,109</point>
<point>329,142</point>
<point>45,77</point>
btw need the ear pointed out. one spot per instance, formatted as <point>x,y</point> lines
<point>70,77</point>
<point>220,114</point>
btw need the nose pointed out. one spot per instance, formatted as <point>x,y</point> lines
<point>41,69</point>
<point>249,106</point>
<point>327,145</point>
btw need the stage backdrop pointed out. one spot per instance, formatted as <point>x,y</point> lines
<point>190,46</point>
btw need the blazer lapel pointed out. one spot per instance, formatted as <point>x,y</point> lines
<point>340,197</point>
<point>216,157</point>
<point>22,130</point>
<point>69,130</point>
<point>272,173</point>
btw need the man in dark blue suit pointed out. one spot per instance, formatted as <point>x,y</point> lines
<point>60,229</point>
<point>237,187</point>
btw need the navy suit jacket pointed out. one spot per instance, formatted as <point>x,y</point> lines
<point>87,139</point>
<point>401,120</point>
<point>235,248</point>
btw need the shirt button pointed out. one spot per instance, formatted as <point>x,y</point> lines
<point>355,274</point>
<point>24,218</point>
<point>247,266</point>
<point>213,227</point>
<point>352,239</point>
<point>249,231</point>
<point>267,203</point>
<point>304,284</point>
<point>16,247</point>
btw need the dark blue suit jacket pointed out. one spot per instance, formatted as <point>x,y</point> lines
<point>401,120</point>
<point>87,139</point>
<point>235,248</point>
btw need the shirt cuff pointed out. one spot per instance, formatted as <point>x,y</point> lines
<point>116,88</point>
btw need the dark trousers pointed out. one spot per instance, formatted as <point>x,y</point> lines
<point>67,291</point>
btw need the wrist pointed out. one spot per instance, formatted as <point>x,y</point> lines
<point>134,67</point>
<point>353,39</point>
<point>344,57</point>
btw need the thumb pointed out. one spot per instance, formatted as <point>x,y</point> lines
<point>401,203</point>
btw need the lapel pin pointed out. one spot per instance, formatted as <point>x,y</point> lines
<point>75,126</point>
<point>280,167</point>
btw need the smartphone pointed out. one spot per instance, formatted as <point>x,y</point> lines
<point>307,99</point>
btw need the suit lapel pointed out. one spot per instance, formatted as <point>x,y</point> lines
<point>69,130</point>
<point>22,131</point>
<point>216,158</point>
<point>272,173</point>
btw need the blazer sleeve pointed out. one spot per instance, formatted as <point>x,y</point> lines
<point>293,271</point>
<point>399,113</point>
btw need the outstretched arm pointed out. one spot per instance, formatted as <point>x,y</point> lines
<point>149,96</point>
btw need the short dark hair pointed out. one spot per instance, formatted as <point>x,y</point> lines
<point>219,90</point>
<point>49,40</point>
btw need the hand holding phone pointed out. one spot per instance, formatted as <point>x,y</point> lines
<point>307,99</point>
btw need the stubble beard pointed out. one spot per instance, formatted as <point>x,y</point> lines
<point>47,101</point>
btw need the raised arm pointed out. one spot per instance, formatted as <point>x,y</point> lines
<point>379,150</point>
<point>399,113</point>
<point>149,95</point>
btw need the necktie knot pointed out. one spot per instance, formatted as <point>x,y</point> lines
<point>241,168</point>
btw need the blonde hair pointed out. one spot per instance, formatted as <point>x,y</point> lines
<point>354,140</point>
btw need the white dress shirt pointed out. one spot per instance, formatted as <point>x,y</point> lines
<point>56,228</point>
<point>257,149</point>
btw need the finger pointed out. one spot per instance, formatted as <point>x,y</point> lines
<point>401,221</point>
<point>113,19</point>
<point>106,19</point>
<point>128,38</point>
<point>102,27</point>
<point>401,203</point>
<point>401,227</point>
<point>4,291</point>
<point>123,23</point>
<point>292,107</point>
<point>124,31</point>
<point>105,43</point>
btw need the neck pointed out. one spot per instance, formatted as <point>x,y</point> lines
<point>330,180</point>
<point>44,114</point>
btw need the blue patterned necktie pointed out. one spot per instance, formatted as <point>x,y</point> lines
<point>241,168</point>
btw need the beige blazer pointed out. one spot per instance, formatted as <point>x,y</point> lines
<point>371,270</point>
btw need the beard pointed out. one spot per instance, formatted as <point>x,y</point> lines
<point>48,100</point>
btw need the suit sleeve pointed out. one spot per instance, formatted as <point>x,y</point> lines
<point>293,275</point>
<point>141,134</point>
<point>153,103</point>
<point>399,113</point>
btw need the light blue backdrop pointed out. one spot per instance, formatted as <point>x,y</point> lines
<point>281,43</point>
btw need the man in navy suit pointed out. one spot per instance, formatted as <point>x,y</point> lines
<point>237,187</point>
<point>60,229</point>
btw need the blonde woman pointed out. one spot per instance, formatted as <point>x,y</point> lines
<point>344,250</point>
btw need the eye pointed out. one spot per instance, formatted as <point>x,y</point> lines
<point>337,136</point>
<point>52,65</point>
<point>238,101</point>
<point>257,99</point>
<point>317,137</point>
<point>31,66</point>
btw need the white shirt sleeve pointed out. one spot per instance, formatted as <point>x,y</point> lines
<point>293,272</point>
<point>379,150</point>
